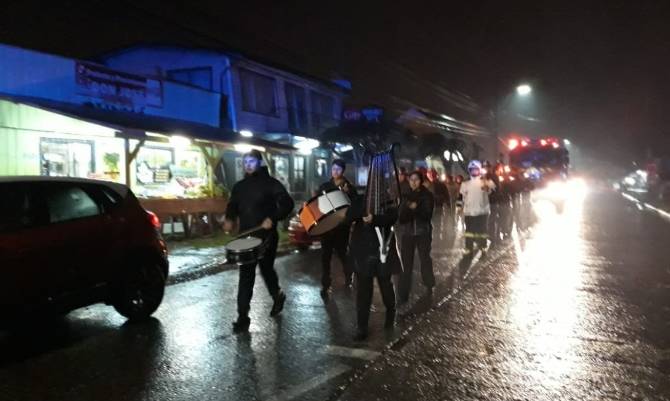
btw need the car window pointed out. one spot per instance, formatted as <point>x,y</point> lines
<point>69,203</point>
<point>112,198</point>
<point>16,208</point>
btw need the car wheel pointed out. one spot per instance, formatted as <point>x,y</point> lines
<point>140,292</point>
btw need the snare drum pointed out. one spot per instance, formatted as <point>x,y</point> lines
<point>324,212</point>
<point>243,251</point>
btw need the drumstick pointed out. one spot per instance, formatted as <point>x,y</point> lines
<point>249,231</point>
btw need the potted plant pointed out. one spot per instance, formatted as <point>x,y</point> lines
<point>111,161</point>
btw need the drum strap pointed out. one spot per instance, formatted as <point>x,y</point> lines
<point>383,244</point>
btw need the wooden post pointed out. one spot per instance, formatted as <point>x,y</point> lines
<point>130,156</point>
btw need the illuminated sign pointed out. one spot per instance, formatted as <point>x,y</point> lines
<point>112,89</point>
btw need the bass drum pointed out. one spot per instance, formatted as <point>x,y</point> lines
<point>324,212</point>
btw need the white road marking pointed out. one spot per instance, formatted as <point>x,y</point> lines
<point>297,390</point>
<point>347,352</point>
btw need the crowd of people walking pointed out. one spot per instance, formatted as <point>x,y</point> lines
<point>378,245</point>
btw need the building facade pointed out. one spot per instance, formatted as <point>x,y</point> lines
<point>256,99</point>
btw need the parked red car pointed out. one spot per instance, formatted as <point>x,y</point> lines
<point>67,243</point>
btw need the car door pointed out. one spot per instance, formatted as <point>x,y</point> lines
<point>26,249</point>
<point>82,229</point>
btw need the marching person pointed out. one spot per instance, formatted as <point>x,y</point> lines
<point>495,203</point>
<point>258,200</point>
<point>415,214</point>
<point>402,179</point>
<point>440,196</point>
<point>368,263</point>
<point>476,208</point>
<point>338,238</point>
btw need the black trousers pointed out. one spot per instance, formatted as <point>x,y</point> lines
<point>337,241</point>
<point>494,221</point>
<point>365,277</point>
<point>245,289</point>
<point>422,243</point>
<point>476,231</point>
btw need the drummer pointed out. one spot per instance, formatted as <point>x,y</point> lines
<point>337,239</point>
<point>258,200</point>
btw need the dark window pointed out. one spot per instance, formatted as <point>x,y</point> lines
<point>323,110</point>
<point>69,203</point>
<point>295,106</point>
<point>17,209</point>
<point>258,93</point>
<point>200,77</point>
<point>299,184</point>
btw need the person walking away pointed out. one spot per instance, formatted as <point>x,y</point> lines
<point>258,200</point>
<point>415,217</point>
<point>476,208</point>
<point>337,239</point>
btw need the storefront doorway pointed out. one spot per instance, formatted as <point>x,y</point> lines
<point>67,157</point>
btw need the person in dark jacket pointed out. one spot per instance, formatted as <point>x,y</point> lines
<point>415,214</point>
<point>369,262</point>
<point>338,238</point>
<point>258,200</point>
<point>495,201</point>
<point>402,179</point>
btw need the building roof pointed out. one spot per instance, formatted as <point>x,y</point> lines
<point>136,125</point>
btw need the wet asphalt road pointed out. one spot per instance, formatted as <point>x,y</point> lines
<point>579,308</point>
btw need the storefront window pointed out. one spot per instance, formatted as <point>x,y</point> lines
<point>167,172</point>
<point>299,174</point>
<point>66,158</point>
<point>321,168</point>
<point>281,170</point>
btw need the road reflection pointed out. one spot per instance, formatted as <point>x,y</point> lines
<point>546,306</point>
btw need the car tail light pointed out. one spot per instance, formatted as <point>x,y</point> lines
<point>154,220</point>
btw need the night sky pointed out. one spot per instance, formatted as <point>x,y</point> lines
<point>600,72</point>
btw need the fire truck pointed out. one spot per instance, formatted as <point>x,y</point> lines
<point>543,165</point>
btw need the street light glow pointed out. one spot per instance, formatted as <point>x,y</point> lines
<point>523,90</point>
<point>566,142</point>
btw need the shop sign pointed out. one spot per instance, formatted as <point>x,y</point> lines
<point>351,115</point>
<point>112,89</point>
<point>370,114</point>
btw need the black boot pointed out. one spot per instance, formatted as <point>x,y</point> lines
<point>361,335</point>
<point>389,322</point>
<point>278,305</point>
<point>241,325</point>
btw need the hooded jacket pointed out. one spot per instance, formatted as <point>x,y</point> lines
<point>364,243</point>
<point>256,197</point>
<point>417,221</point>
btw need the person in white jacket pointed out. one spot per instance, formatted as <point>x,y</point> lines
<point>476,208</point>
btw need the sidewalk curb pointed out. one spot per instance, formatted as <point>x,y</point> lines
<point>645,205</point>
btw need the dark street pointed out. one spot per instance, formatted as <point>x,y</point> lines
<point>575,309</point>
